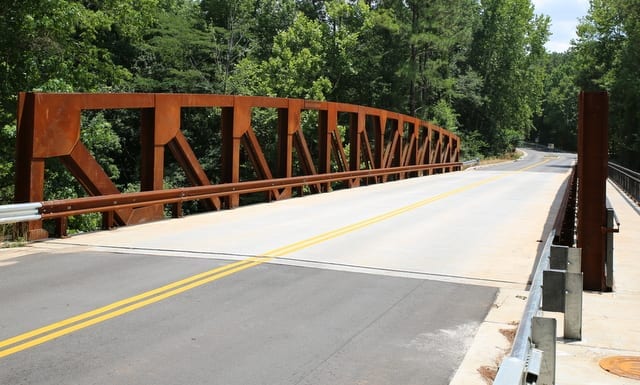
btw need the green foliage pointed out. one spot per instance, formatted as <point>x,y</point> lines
<point>176,55</point>
<point>473,146</point>
<point>509,54</point>
<point>7,156</point>
<point>295,68</point>
<point>444,115</point>
<point>559,120</point>
<point>477,67</point>
<point>608,51</point>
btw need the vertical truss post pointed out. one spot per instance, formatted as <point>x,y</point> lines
<point>285,147</point>
<point>326,119</point>
<point>592,176</point>
<point>152,156</point>
<point>355,145</point>
<point>230,154</point>
<point>455,150</point>
<point>29,170</point>
<point>380,122</point>
<point>397,152</point>
<point>152,163</point>
<point>414,137</point>
<point>427,157</point>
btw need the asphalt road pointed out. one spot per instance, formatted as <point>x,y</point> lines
<point>384,284</point>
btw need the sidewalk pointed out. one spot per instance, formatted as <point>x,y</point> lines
<point>610,321</point>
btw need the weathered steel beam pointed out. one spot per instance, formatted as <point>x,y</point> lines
<point>76,206</point>
<point>592,175</point>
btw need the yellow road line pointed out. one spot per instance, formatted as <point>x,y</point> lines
<point>124,310</point>
<point>115,305</point>
<point>84,320</point>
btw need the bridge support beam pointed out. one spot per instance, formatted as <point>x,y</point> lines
<point>29,185</point>
<point>592,177</point>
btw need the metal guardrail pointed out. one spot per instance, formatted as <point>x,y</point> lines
<point>108,204</point>
<point>105,203</point>
<point>470,163</point>
<point>556,286</point>
<point>628,180</point>
<point>20,212</point>
<point>515,368</point>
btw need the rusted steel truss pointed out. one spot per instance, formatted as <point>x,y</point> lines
<point>382,145</point>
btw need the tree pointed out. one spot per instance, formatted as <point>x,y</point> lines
<point>62,46</point>
<point>508,53</point>
<point>559,120</point>
<point>608,50</point>
<point>295,68</point>
<point>178,53</point>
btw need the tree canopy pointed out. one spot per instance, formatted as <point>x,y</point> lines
<point>477,67</point>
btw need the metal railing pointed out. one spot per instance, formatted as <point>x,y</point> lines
<point>112,202</point>
<point>521,362</point>
<point>628,180</point>
<point>109,204</point>
<point>556,287</point>
<point>470,163</point>
<point>20,212</point>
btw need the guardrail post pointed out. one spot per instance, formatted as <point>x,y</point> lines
<point>543,337</point>
<point>609,245</point>
<point>592,175</point>
<point>573,306</point>
<point>562,288</point>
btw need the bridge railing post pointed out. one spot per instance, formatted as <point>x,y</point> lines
<point>592,175</point>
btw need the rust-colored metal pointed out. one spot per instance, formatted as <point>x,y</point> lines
<point>565,224</point>
<point>382,145</point>
<point>67,207</point>
<point>592,177</point>
<point>623,366</point>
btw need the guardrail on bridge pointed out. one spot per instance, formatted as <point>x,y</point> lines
<point>628,180</point>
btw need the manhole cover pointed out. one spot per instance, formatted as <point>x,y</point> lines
<point>624,366</point>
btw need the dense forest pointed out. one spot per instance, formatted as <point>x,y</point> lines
<point>477,67</point>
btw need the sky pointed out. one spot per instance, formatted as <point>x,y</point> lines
<point>564,19</point>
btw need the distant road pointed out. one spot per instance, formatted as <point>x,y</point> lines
<point>384,284</point>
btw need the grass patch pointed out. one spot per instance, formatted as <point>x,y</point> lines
<point>510,156</point>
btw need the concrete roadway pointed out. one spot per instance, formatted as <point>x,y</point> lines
<point>385,284</point>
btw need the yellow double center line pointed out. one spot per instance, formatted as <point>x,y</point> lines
<point>84,320</point>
